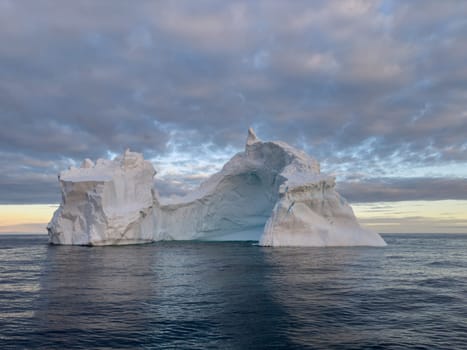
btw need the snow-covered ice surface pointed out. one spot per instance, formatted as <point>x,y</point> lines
<point>271,192</point>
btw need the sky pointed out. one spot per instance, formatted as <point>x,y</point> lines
<point>375,90</point>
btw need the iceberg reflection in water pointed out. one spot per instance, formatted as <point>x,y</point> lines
<point>233,295</point>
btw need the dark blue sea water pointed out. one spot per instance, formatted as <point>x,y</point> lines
<point>235,295</point>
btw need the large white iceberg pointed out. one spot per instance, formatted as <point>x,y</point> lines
<point>271,192</point>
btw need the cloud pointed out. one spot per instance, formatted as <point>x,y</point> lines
<point>404,189</point>
<point>35,228</point>
<point>417,224</point>
<point>365,86</point>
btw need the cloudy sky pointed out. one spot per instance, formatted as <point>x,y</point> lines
<point>375,90</point>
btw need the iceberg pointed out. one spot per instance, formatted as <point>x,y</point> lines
<point>270,192</point>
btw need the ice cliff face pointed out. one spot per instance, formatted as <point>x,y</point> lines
<point>271,192</point>
<point>110,202</point>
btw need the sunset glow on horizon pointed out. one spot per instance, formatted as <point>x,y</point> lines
<point>384,217</point>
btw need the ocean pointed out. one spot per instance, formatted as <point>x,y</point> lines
<point>411,294</point>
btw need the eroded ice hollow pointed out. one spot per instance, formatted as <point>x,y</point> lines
<point>271,192</point>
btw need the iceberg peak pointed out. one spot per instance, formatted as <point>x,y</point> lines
<point>252,138</point>
<point>87,163</point>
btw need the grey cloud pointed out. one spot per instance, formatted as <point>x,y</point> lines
<point>414,225</point>
<point>36,192</point>
<point>358,84</point>
<point>403,189</point>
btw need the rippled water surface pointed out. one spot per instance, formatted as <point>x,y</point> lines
<point>235,295</point>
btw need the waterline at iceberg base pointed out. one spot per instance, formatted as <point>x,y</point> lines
<point>271,188</point>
